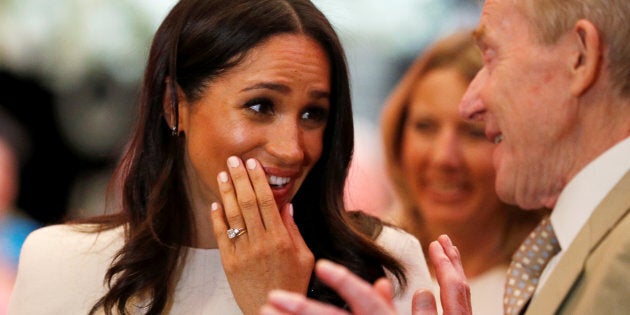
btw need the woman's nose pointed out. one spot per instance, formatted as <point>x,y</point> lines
<point>286,143</point>
<point>447,150</point>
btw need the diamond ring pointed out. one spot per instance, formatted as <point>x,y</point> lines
<point>232,233</point>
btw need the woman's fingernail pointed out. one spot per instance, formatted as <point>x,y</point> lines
<point>291,209</point>
<point>251,164</point>
<point>214,206</point>
<point>223,177</point>
<point>232,161</point>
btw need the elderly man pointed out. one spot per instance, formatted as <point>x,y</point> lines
<point>554,93</point>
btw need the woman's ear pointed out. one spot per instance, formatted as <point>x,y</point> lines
<point>173,101</point>
<point>587,60</point>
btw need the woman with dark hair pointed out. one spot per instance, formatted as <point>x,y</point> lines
<point>232,183</point>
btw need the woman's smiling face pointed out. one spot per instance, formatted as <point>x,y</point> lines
<point>447,160</point>
<point>273,106</point>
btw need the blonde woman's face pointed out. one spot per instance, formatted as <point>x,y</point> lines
<point>447,161</point>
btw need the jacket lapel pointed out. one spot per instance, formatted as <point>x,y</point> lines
<point>607,214</point>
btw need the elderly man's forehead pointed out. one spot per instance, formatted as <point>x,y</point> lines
<point>493,15</point>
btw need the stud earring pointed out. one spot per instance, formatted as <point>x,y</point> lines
<point>174,131</point>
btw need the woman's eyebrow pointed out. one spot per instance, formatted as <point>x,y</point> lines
<point>268,86</point>
<point>316,94</point>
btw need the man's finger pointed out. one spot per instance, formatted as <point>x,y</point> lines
<point>423,303</point>
<point>454,289</point>
<point>359,294</point>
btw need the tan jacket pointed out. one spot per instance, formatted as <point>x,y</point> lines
<point>593,275</point>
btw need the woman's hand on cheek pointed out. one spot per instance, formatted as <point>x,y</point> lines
<point>272,253</point>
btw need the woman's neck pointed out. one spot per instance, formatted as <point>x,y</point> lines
<point>204,233</point>
<point>481,249</point>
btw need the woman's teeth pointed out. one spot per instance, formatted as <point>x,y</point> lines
<point>277,181</point>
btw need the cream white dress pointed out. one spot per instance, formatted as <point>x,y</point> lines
<point>61,271</point>
<point>486,291</point>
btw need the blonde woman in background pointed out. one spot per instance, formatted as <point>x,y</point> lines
<point>441,168</point>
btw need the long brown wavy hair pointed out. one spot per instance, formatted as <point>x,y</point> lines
<point>197,42</point>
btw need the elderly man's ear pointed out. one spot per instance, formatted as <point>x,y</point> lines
<point>587,56</point>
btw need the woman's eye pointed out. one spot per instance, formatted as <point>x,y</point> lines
<point>260,106</point>
<point>315,115</point>
<point>424,126</point>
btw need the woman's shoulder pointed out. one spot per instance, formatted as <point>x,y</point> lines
<point>385,233</point>
<point>407,250</point>
<point>393,237</point>
<point>76,232</point>
<point>71,238</point>
<point>64,266</point>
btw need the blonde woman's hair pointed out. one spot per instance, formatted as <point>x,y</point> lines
<point>457,51</point>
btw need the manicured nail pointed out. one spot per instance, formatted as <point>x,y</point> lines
<point>214,206</point>
<point>223,177</point>
<point>251,164</point>
<point>232,161</point>
<point>291,209</point>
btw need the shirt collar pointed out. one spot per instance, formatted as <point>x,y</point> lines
<point>587,189</point>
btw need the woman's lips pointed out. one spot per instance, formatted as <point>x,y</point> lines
<point>281,182</point>
<point>277,181</point>
<point>282,193</point>
<point>447,191</point>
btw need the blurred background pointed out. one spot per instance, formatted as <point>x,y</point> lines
<point>70,72</point>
